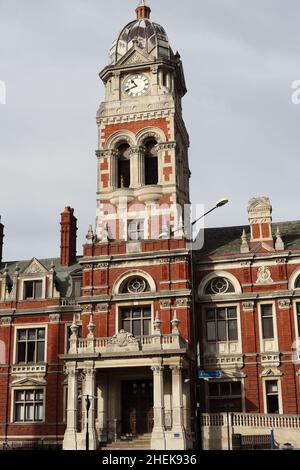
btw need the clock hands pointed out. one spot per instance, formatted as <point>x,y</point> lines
<point>134,86</point>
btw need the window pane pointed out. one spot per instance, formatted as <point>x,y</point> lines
<point>272,404</point>
<point>38,412</point>
<point>31,334</point>
<point>147,312</point>
<point>39,394</point>
<point>136,313</point>
<point>266,311</point>
<point>211,331</point>
<point>272,386</point>
<point>231,313</point>
<point>28,288</point>
<point>267,328</point>
<point>126,313</point>
<point>20,395</point>
<point>21,352</point>
<point>210,314</point>
<point>41,333</point>
<point>77,287</point>
<point>29,412</point>
<point>19,412</point>
<point>22,334</point>
<point>29,395</point>
<point>40,351</point>
<point>221,331</point>
<point>126,326</point>
<point>232,330</point>
<point>30,351</point>
<point>146,327</point>
<point>236,388</point>
<point>221,313</point>
<point>224,388</point>
<point>38,289</point>
<point>136,328</point>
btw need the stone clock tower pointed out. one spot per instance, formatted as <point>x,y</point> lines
<point>135,346</point>
<point>143,171</point>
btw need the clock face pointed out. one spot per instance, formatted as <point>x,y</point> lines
<point>136,85</point>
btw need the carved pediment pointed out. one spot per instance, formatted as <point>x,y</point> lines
<point>134,56</point>
<point>271,372</point>
<point>29,381</point>
<point>35,267</point>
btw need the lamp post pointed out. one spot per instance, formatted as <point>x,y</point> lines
<point>198,432</point>
<point>87,407</point>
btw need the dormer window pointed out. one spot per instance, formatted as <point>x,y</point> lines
<point>33,290</point>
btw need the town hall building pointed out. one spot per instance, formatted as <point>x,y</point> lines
<point>104,348</point>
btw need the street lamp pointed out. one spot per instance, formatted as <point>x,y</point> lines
<point>87,407</point>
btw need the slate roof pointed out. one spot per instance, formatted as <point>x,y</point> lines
<point>227,240</point>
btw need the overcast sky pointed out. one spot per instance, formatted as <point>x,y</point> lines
<point>240,58</point>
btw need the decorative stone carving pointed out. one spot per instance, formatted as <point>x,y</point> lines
<point>244,245</point>
<point>34,268</point>
<point>167,145</point>
<point>102,265</point>
<point>264,276</point>
<point>246,263</point>
<point>87,308</point>
<point>248,306</point>
<point>270,359</point>
<point>175,323</point>
<point>87,266</point>
<point>103,308</point>
<point>164,260</point>
<point>157,324</point>
<point>279,245</point>
<point>6,321</point>
<point>54,318</point>
<point>90,237</point>
<point>123,338</point>
<point>284,303</point>
<point>280,260</point>
<point>271,372</point>
<point>156,369</point>
<point>184,302</point>
<point>165,303</point>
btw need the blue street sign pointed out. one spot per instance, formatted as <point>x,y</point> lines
<point>210,374</point>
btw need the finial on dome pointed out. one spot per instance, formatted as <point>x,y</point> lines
<point>143,11</point>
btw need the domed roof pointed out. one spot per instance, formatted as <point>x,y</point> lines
<point>150,36</point>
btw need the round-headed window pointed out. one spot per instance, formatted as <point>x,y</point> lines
<point>136,285</point>
<point>219,285</point>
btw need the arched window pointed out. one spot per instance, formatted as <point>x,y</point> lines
<point>124,166</point>
<point>135,285</point>
<point>219,285</point>
<point>151,162</point>
<point>297,283</point>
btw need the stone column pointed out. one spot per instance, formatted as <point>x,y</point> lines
<point>137,167</point>
<point>102,407</point>
<point>158,433</point>
<point>70,438</point>
<point>113,176</point>
<point>90,389</point>
<point>178,432</point>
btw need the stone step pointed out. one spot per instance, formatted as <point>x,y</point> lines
<point>142,442</point>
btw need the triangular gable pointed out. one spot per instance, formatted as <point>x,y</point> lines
<point>135,55</point>
<point>271,372</point>
<point>29,381</point>
<point>35,267</point>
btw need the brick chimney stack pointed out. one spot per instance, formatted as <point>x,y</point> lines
<point>68,235</point>
<point>1,239</point>
<point>143,11</point>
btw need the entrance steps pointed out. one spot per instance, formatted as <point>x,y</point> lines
<point>141,442</point>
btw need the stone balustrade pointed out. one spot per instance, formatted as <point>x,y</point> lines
<point>127,343</point>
